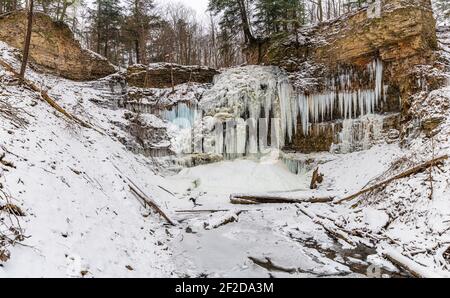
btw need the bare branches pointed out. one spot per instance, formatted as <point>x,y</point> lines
<point>10,113</point>
<point>412,171</point>
<point>11,232</point>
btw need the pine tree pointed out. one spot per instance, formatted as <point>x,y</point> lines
<point>279,16</point>
<point>139,20</point>
<point>235,16</point>
<point>105,21</point>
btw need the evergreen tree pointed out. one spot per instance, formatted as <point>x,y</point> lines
<point>138,22</point>
<point>106,20</point>
<point>279,16</point>
<point>235,16</point>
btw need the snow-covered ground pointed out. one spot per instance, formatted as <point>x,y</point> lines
<point>73,184</point>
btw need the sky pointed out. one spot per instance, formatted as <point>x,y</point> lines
<point>199,6</point>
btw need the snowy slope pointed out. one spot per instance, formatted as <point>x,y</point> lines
<point>80,216</point>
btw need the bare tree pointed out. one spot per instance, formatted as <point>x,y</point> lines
<point>26,48</point>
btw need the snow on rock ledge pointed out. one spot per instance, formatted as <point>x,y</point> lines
<point>159,75</point>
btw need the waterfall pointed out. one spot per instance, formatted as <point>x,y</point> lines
<point>252,109</point>
<point>182,114</point>
<point>254,102</point>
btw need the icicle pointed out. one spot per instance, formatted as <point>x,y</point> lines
<point>349,102</point>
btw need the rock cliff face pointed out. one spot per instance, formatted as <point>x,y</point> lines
<point>401,33</point>
<point>377,57</point>
<point>160,75</point>
<point>54,48</point>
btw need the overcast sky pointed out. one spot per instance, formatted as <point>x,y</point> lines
<point>199,5</point>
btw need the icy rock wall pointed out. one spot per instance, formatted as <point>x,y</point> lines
<point>252,109</point>
<point>342,99</point>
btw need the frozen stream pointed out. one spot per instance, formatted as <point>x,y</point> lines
<point>278,232</point>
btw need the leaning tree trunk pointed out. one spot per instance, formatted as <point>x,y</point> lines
<point>26,49</point>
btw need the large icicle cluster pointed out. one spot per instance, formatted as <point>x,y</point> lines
<point>257,107</point>
<point>253,108</point>
<point>342,99</point>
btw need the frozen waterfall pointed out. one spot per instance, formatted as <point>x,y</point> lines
<point>252,109</point>
<point>343,100</point>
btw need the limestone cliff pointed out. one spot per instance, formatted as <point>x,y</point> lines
<point>338,67</point>
<point>161,75</point>
<point>402,33</point>
<point>53,47</point>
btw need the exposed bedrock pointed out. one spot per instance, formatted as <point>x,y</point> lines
<point>166,75</point>
<point>401,33</point>
<point>367,62</point>
<point>53,47</point>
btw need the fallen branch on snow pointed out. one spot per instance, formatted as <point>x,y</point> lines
<point>147,201</point>
<point>332,230</point>
<point>270,266</point>
<point>5,162</point>
<point>272,199</point>
<point>409,265</point>
<point>317,178</point>
<point>410,172</point>
<point>202,211</point>
<point>46,97</point>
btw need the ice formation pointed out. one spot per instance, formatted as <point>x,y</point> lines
<point>258,107</point>
<point>359,134</point>
<point>252,109</point>
<point>182,114</point>
<point>342,99</point>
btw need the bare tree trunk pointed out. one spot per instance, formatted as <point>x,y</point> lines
<point>138,53</point>
<point>245,22</point>
<point>26,49</point>
<point>320,11</point>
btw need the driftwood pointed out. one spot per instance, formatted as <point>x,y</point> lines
<point>272,199</point>
<point>45,96</point>
<point>410,172</point>
<point>148,201</point>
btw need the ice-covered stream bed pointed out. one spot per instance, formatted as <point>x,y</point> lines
<point>219,239</point>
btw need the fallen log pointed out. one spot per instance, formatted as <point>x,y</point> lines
<point>228,217</point>
<point>410,172</point>
<point>202,211</point>
<point>272,199</point>
<point>149,202</point>
<point>409,265</point>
